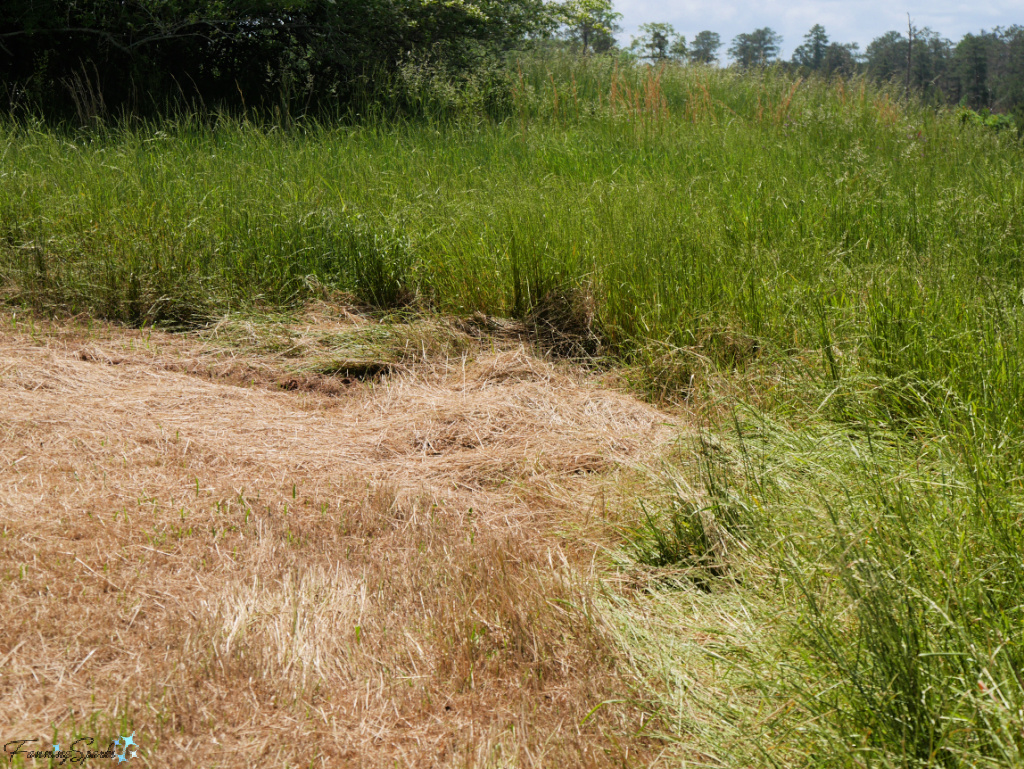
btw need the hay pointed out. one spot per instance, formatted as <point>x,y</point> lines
<point>372,567</point>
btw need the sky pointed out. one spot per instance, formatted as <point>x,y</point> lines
<point>849,21</point>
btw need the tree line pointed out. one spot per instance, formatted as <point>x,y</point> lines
<point>94,58</point>
<point>107,57</point>
<point>981,71</point>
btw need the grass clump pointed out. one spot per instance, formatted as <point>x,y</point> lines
<point>683,541</point>
<point>891,572</point>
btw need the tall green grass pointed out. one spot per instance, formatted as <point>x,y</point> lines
<point>695,209</point>
<point>689,202</point>
<point>893,575</point>
<point>870,612</point>
<point>711,222</point>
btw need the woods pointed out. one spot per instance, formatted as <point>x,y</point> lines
<point>99,58</point>
<point>87,59</point>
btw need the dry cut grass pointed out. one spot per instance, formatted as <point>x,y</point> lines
<point>396,570</point>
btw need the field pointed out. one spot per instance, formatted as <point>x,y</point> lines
<point>674,420</point>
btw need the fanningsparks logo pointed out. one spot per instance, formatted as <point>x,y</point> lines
<point>125,743</point>
<point>120,748</point>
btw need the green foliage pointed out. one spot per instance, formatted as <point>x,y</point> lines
<point>718,244</point>
<point>100,59</point>
<point>903,576</point>
<point>704,47</point>
<point>591,24</point>
<point>972,61</point>
<point>989,68</point>
<point>674,539</point>
<point>755,49</point>
<point>982,71</point>
<point>430,87</point>
<point>812,53</point>
<point>658,42</point>
<point>818,54</point>
<point>984,117</point>
<point>926,67</point>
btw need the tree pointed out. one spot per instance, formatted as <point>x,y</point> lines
<point>755,49</point>
<point>658,42</point>
<point>143,55</point>
<point>818,54</point>
<point>841,59</point>
<point>591,24</point>
<point>886,56</point>
<point>811,55</point>
<point>933,65</point>
<point>704,47</point>
<point>678,49</point>
<point>972,56</point>
<point>1007,71</point>
<point>930,62</point>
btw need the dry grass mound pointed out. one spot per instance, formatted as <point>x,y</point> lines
<point>371,572</point>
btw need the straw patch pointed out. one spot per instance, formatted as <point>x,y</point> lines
<point>378,572</point>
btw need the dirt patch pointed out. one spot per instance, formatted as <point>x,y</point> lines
<point>351,570</point>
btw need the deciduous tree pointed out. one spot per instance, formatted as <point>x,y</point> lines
<point>140,54</point>
<point>658,42</point>
<point>704,47</point>
<point>591,24</point>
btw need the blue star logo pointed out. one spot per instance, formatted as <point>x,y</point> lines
<point>121,752</point>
